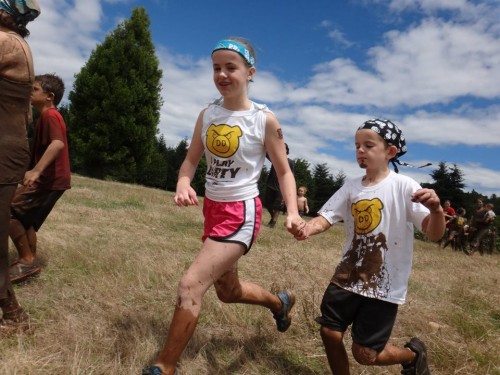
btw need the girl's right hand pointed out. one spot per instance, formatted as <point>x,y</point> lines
<point>185,197</point>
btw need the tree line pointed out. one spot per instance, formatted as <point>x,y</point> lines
<point>114,111</point>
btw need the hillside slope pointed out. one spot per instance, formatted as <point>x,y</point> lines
<point>112,255</point>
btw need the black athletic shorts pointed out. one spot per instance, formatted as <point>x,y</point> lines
<point>372,320</point>
<point>31,207</point>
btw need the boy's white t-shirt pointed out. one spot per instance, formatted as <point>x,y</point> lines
<point>379,220</point>
<point>234,150</point>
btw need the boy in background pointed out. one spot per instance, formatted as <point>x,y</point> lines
<point>379,211</point>
<point>456,230</point>
<point>302,201</point>
<point>47,179</point>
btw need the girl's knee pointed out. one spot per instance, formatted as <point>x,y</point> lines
<point>188,292</point>
<point>227,294</point>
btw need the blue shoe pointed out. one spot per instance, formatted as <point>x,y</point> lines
<point>155,370</point>
<point>152,370</point>
<point>283,318</point>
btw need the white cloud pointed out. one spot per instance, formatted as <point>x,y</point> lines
<point>419,67</point>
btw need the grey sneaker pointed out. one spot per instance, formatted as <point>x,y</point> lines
<point>283,318</point>
<point>419,366</point>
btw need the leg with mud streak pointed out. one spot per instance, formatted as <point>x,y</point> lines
<point>213,261</point>
<point>230,289</point>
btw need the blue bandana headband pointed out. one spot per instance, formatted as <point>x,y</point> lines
<point>237,47</point>
<point>23,11</point>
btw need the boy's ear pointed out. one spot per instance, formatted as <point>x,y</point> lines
<point>393,150</point>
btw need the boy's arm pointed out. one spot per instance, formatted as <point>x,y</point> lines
<point>314,226</point>
<point>306,206</point>
<point>433,225</point>
<point>48,157</point>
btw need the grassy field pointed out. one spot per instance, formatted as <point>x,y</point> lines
<point>112,255</point>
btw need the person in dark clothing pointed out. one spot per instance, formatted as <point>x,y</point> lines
<point>273,200</point>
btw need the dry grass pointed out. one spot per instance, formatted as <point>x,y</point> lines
<point>112,255</point>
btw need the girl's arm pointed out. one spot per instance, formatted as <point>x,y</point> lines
<point>275,147</point>
<point>185,194</point>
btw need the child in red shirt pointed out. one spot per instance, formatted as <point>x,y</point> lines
<point>46,180</point>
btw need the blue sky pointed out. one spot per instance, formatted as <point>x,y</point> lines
<point>324,67</point>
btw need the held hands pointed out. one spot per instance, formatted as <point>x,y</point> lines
<point>298,228</point>
<point>185,196</point>
<point>428,198</point>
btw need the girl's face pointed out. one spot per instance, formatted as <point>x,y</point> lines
<point>231,73</point>
<point>371,150</point>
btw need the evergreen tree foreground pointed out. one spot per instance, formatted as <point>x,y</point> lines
<point>115,106</point>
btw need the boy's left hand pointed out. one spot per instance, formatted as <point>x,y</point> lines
<point>31,178</point>
<point>428,198</point>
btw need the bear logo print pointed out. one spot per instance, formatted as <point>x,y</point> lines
<point>223,140</point>
<point>367,215</point>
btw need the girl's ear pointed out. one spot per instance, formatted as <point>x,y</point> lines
<point>251,72</point>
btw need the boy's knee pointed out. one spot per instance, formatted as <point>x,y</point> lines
<point>330,336</point>
<point>363,355</point>
<point>16,229</point>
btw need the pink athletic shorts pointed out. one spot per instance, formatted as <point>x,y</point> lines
<point>237,222</point>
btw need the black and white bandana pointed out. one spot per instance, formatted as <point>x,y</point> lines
<point>389,132</point>
<point>393,136</point>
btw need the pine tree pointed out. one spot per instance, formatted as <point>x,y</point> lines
<point>302,173</point>
<point>323,186</point>
<point>448,184</point>
<point>115,104</point>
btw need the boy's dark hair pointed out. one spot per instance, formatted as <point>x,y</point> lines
<point>51,83</point>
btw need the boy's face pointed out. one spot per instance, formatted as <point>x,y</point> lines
<point>302,192</point>
<point>371,150</point>
<point>39,98</point>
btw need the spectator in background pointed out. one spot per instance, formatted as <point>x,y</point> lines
<point>46,181</point>
<point>484,229</point>
<point>302,201</point>
<point>449,213</point>
<point>478,228</point>
<point>16,84</point>
<point>456,231</point>
<point>273,199</point>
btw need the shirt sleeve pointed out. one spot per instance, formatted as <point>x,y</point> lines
<point>334,210</point>
<point>418,212</point>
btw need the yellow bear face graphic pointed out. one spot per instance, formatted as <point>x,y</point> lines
<point>367,215</point>
<point>223,140</point>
